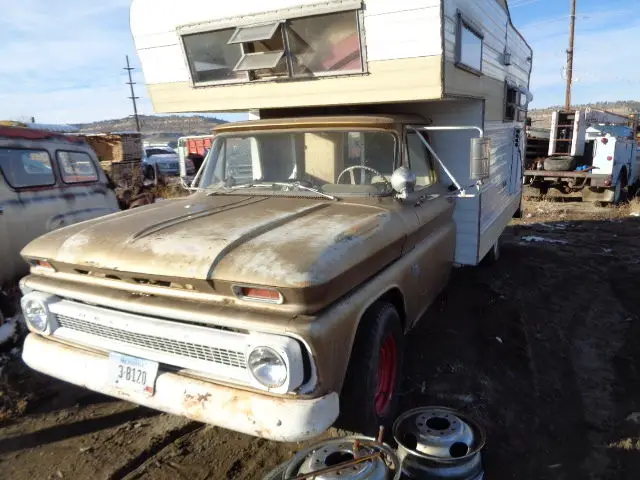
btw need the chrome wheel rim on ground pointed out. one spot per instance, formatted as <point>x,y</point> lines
<point>439,442</point>
<point>348,458</point>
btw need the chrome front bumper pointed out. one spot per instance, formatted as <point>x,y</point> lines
<point>278,418</point>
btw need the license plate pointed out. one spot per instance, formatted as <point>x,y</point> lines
<point>133,374</point>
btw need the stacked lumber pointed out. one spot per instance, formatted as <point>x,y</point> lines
<point>114,148</point>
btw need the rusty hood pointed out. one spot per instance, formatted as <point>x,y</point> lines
<point>263,240</point>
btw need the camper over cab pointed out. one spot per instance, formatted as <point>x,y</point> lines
<point>386,147</point>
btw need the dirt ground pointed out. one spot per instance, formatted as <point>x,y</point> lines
<point>542,347</point>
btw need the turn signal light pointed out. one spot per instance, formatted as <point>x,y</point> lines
<point>42,265</point>
<point>259,294</point>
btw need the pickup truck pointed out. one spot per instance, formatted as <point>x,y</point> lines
<point>47,181</point>
<point>267,303</point>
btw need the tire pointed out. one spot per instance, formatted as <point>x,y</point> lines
<point>620,191</point>
<point>518,213</point>
<point>369,396</point>
<point>560,164</point>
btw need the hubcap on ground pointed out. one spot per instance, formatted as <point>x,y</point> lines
<point>387,371</point>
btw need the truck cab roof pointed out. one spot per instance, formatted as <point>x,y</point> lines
<point>365,121</point>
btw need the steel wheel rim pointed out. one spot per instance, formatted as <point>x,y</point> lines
<point>387,372</point>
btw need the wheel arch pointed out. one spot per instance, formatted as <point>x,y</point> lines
<point>394,296</point>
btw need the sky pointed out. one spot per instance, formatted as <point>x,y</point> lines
<point>62,61</point>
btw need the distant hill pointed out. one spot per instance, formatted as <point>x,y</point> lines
<point>154,126</point>
<point>541,117</point>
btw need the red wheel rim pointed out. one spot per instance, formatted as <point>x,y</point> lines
<point>387,370</point>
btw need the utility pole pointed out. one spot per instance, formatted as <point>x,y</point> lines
<point>572,30</point>
<point>133,97</point>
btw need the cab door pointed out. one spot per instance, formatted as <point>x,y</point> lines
<point>26,188</point>
<point>435,237</point>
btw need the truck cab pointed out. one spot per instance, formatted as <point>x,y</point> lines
<point>47,181</point>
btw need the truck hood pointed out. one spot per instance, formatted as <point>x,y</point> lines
<point>263,240</point>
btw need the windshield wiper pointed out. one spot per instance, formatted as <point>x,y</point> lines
<point>281,184</point>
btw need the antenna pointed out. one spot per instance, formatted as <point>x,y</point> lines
<point>572,30</point>
<point>133,97</point>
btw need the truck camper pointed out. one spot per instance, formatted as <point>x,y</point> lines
<point>386,146</point>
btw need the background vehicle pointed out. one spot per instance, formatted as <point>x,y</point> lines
<point>47,181</point>
<point>163,161</point>
<point>197,147</point>
<point>280,291</point>
<point>591,154</point>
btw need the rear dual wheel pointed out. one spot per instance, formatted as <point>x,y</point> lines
<point>620,192</point>
<point>370,394</point>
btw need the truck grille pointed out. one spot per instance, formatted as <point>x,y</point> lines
<point>206,353</point>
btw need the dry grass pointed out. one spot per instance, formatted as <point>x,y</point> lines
<point>171,190</point>
<point>535,210</point>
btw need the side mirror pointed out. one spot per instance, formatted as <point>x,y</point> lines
<point>480,158</point>
<point>403,181</point>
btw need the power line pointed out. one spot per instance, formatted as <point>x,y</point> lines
<point>522,3</point>
<point>133,97</point>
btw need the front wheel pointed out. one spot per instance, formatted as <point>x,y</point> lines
<point>370,394</point>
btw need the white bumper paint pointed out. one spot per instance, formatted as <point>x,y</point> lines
<point>274,418</point>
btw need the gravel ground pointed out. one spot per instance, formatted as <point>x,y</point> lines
<point>540,347</point>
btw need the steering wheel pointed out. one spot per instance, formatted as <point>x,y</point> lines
<point>363,167</point>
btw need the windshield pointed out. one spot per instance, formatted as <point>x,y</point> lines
<point>159,151</point>
<point>309,159</point>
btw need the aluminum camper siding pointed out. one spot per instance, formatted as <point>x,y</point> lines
<point>493,22</point>
<point>403,51</point>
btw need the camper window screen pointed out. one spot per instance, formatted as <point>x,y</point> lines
<point>211,58</point>
<point>325,44</point>
<point>469,47</point>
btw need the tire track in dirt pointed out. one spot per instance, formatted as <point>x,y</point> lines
<point>596,340</point>
<point>128,470</point>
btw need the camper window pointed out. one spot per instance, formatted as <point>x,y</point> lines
<point>419,160</point>
<point>325,44</point>
<point>515,104</point>
<point>255,33</point>
<point>469,46</point>
<point>295,48</point>
<point>264,50</point>
<point>211,58</point>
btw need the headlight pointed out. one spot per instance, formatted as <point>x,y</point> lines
<point>268,367</point>
<point>36,313</point>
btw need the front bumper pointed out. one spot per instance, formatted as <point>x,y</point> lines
<point>276,418</point>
